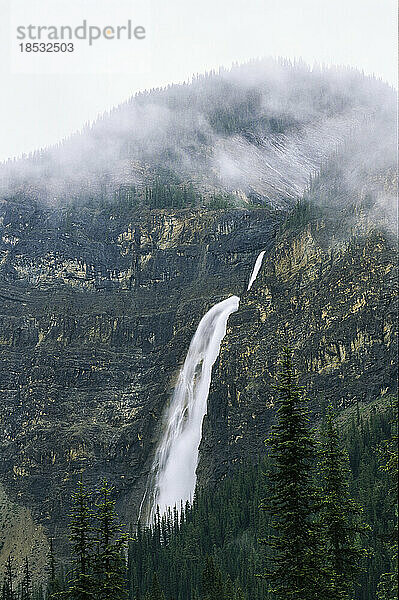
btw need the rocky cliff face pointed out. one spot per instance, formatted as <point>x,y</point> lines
<point>100,296</point>
<point>336,305</point>
<point>98,309</point>
<point>97,312</point>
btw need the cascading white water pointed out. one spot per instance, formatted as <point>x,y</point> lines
<point>254,274</point>
<point>173,474</point>
<point>177,455</point>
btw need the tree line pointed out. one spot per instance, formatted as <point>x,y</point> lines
<point>288,528</point>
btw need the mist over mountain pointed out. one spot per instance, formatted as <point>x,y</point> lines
<point>254,133</point>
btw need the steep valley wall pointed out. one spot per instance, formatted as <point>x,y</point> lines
<point>97,310</point>
<point>336,306</point>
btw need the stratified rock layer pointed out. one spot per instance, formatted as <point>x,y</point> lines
<point>97,312</point>
<point>336,305</point>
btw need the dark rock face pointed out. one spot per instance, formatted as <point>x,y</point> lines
<point>337,308</point>
<point>96,318</point>
<point>97,312</point>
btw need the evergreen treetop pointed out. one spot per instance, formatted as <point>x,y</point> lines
<point>295,569</point>
<point>340,516</point>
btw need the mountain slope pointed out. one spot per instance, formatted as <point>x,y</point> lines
<point>100,292</point>
<point>257,132</point>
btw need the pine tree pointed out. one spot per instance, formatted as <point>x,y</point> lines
<point>38,594</point>
<point>212,583</point>
<point>110,561</point>
<point>239,594</point>
<point>388,584</point>
<point>5,591</point>
<point>26,586</point>
<point>8,592</point>
<point>295,571</point>
<point>155,592</point>
<point>81,586</point>
<point>340,516</point>
<point>228,589</point>
<point>55,583</point>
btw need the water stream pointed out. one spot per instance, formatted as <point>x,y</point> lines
<point>256,269</point>
<point>173,475</point>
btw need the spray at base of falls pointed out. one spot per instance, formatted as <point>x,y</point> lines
<point>173,475</point>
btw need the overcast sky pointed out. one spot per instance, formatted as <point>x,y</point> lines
<point>39,107</point>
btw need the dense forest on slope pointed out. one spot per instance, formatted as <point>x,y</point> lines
<point>227,522</point>
<point>218,537</point>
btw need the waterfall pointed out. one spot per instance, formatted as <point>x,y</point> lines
<point>255,271</point>
<point>173,475</point>
<point>177,455</point>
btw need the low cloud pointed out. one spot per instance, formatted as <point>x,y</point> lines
<point>261,129</point>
